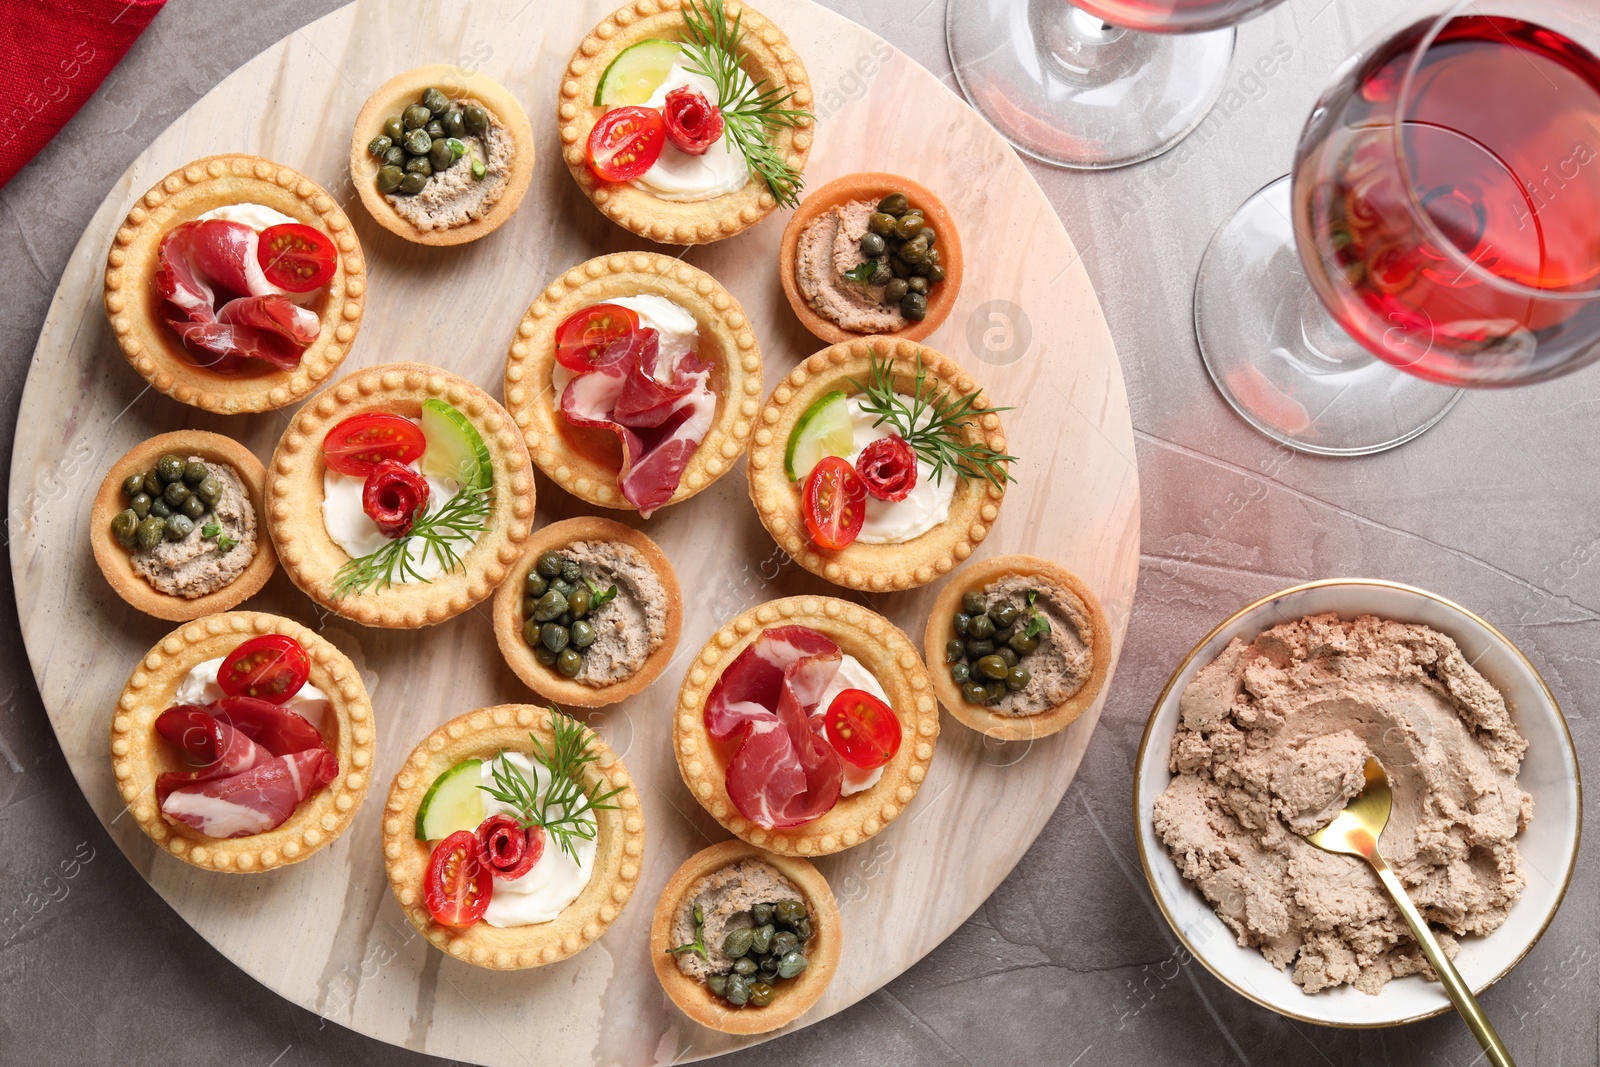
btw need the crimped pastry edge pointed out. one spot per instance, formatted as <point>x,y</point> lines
<point>137,754</point>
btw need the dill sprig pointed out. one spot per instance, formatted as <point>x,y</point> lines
<point>752,111</point>
<point>561,808</point>
<point>461,518</point>
<point>939,440</point>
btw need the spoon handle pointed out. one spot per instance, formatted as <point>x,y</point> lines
<point>1460,995</point>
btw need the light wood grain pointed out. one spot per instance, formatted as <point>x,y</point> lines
<point>326,934</point>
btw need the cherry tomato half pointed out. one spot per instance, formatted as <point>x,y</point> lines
<point>626,142</point>
<point>584,335</point>
<point>360,443</point>
<point>270,667</point>
<point>456,887</point>
<point>296,257</point>
<point>834,502</point>
<point>862,728</point>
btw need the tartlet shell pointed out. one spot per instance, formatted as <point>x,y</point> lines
<point>139,754</point>
<point>508,613</point>
<point>885,652</point>
<point>456,83</point>
<point>1016,727</point>
<point>482,734</point>
<point>795,995</point>
<point>116,563</point>
<point>873,186</point>
<point>767,54</point>
<point>876,568</point>
<point>149,343</point>
<point>294,497</point>
<point>726,338</point>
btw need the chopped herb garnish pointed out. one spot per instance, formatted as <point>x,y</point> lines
<point>601,596</point>
<point>457,149</point>
<point>461,518</point>
<point>698,945</point>
<point>862,272</point>
<point>562,807</point>
<point>479,170</point>
<point>213,532</point>
<point>225,543</point>
<point>1038,621</point>
<point>209,530</point>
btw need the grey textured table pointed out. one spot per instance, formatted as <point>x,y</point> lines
<point>1069,963</point>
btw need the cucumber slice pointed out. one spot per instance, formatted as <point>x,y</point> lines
<point>823,430</point>
<point>637,72</point>
<point>454,802</point>
<point>455,448</point>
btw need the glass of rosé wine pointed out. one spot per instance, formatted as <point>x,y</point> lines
<point>1444,208</point>
<point>1094,84</point>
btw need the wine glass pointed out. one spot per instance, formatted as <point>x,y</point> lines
<point>1445,207</point>
<point>1095,83</point>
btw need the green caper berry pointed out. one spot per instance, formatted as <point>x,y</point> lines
<point>418,142</point>
<point>718,984</point>
<point>1007,653</point>
<point>150,532</point>
<point>209,490</point>
<point>993,691</point>
<point>440,156</point>
<point>784,941</point>
<point>738,942</point>
<point>396,157</point>
<point>125,528</point>
<point>1004,614</point>
<point>394,128</point>
<point>872,244</point>
<point>1022,643</point>
<point>195,472</point>
<point>420,165</point>
<point>976,650</point>
<point>744,965</point>
<point>530,633</point>
<point>896,290</point>
<point>530,604</point>
<point>170,468</point>
<point>545,657</point>
<point>761,913</point>
<point>914,307</point>
<point>881,274</point>
<point>389,178</point>
<point>960,622</point>
<point>435,129</point>
<point>936,274</point>
<point>140,505</point>
<point>434,100</point>
<point>908,227</point>
<point>569,663</point>
<point>159,508</point>
<point>761,944</point>
<point>992,667</point>
<point>179,527</point>
<point>153,483</point>
<point>549,564</point>
<point>899,267</point>
<point>379,146</point>
<point>802,929</point>
<point>791,964</point>
<point>416,116</point>
<point>960,672</point>
<point>454,124</point>
<point>930,234</point>
<point>954,650</point>
<point>761,994</point>
<point>554,636</point>
<point>132,485</point>
<point>535,584</point>
<point>894,204</point>
<point>738,992</point>
<point>881,223</point>
<point>789,912</point>
<point>194,507</point>
<point>1018,678</point>
<point>578,602</point>
<point>571,571</point>
<point>981,628</point>
<point>175,494</point>
<point>583,634</point>
<point>768,967</point>
<point>412,184</point>
<point>917,285</point>
<point>550,605</point>
<point>973,603</point>
<point>972,692</point>
<point>476,120</point>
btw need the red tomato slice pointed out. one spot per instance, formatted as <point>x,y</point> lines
<point>296,257</point>
<point>359,444</point>
<point>585,334</point>
<point>834,502</point>
<point>456,887</point>
<point>862,728</point>
<point>271,667</point>
<point>626,142</point>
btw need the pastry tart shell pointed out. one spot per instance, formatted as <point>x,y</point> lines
<point>766,54</point>
<point>999,726</point>
<point>403,89</point>
<point>116,562</point>
<point>482,734</point>
<point>139,754</point>
<point>872,186</point>
<point>885,652</point>
<point>795,995</point>
<point>875,568</point>
<point>584,460</point>
<point>295,495</point>
<point>134,310</point>
<point>508,619</point>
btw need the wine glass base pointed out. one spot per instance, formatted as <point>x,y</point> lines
<point>1067,89</point>
<point>1281,361</point>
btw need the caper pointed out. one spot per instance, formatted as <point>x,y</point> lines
<point>578,602</point>
<point>930,233</point>
<point>872,244</point>
<point>170,468</point>
<point>718,984</point>
<point>914,307</point>
<point>981,628</point>
<point>545,656</point>
<point>140,505</point>
<point>159,508</point>
<point>412,184</point>
<point>132,485</point>
<point>418,142</point>
<point>209,490</point>
<point>960,672</point>
<point>569,663</point>
<point>894,204</point>
<point>454,124</point>
<point>936,274</point>
<point>554,636</point>
<point>389,178</point>
<point>761,913</point>
<point>530,633</point>
<point>562,586</point>
<point>881,274</point>
<point>762,942</point>
<point>179,527</point>
<point>954,650</point>
<point>125,528</point>
<point>1022,643</point>
<point>973,603</point>
<point>530,604</point>
<point>434,100</point>
<point>899,267</point>
<point>791,964</point>
<point>993,691</point>
<point>802,929</point>
<point>738,992</point>
<point>744,965</point>
<point>583,634</point>
<point>175,494</point>
<point>1007,653</point>
<point>961,621</point>
<point>420,165</point>
<point>789,912</point>
<point>379,146</point>
<point>476,120</point>
<point>440,155</point>
<point>549,564</point>
<point>895,291</point>
<point>784,941</point>
<point>1018,678</point>
<point>1004,613</point>
<point>416,116</point>
<point>761,994</point>
<point>396,157</point>
<point>911,254</point>
<point>150,532</point>
<point>550,605</point>
<point>972,692</point>
<point>394,128</point>
<point>738,942</point>
<point>535,584</point>
<point>992,667</point>
<point>194,507</point>
<point>195,471</point>
<point>908,226</point>
<point>918,285</point>
<point>881,223</point>
<point>976,650</point>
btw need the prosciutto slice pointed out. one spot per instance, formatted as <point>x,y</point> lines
<point>222,305</point>
<point>254,802</point>
<point>783,773</point>
<point>276,729</point>
<point>660,415</point>
<point>214,748</point>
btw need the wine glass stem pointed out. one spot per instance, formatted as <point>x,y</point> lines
<point>1080,45</point>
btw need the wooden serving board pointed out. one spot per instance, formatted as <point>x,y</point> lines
<point>326,933</point>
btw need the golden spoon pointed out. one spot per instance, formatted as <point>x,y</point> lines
<point>1355,832</point>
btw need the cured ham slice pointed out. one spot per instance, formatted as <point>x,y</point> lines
<point>222,305</point>
<point>275,728</point>
<point>783,773</point>
<point>660,415</point>
<point>213,747</point>
<point>254,802</point>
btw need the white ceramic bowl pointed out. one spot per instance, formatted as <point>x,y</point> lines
<point>1549,846</point>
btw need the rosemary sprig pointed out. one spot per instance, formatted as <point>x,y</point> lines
<point>752,111</point>
<point>561,808</point>
<point>698,945</point>
<point>460,518</point>
<point>931,423</point>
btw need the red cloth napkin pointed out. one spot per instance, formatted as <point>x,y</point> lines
<point>53,55</point>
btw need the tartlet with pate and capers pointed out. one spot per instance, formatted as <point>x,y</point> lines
<point>686,122</point>
<point>441,156</point>
<point>590,613</point>
<point>176,525</point>
<point>871,254</point>
<point>879,465</point>
<point>745,941</point>
<point>1018,647</point>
